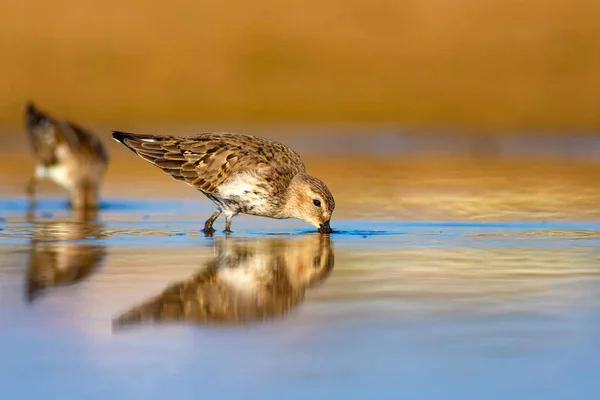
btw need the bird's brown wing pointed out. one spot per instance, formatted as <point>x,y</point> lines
<point>207,160</point>
<point>88,143</point>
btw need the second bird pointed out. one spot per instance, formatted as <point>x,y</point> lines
<point>71,156</point>
<point>240,174</point>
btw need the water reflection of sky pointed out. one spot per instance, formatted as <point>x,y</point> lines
<point>453,357</point>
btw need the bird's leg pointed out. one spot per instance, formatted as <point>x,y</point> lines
<point>30,190</point>
<point>228,219</point>
<point>208,225</point>
<point>84,197</point>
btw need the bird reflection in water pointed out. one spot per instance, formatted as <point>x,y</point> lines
<point>56,256</point>
<point>247,282</point>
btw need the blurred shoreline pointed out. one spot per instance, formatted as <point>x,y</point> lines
<point>313,140</point>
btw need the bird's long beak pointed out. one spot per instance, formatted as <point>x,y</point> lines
<point>324,227</point>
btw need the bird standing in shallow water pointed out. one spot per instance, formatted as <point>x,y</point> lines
<point>240,174</point>
<point>67,154</point>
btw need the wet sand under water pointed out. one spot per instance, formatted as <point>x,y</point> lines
<point>461,276</point>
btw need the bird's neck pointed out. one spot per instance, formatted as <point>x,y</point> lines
<point>291,204</point>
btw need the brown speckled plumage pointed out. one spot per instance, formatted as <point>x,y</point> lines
<point>68,154</point>
<point>247,282</point>
<point>240,173</point>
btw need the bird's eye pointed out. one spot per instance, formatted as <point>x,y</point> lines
<point>317,202</point>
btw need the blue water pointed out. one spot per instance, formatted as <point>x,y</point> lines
<point>411,309</point>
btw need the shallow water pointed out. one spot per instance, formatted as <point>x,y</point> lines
<point>447,277</point>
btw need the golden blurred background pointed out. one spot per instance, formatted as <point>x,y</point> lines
<point>485,66</point>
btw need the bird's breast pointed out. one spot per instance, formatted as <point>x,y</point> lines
<point>58,173</point>
<point>248,194</point>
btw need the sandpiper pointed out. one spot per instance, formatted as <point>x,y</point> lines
<point>247,282</point>
<point>69,155</point>
<point>240,174</point>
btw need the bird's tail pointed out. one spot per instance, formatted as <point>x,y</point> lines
<point>140,143</point>
<point>34,117</point>
<point>40,129</point>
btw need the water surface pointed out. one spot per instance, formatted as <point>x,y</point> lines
<point>463,276</point>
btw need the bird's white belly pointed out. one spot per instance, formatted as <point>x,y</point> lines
<point>57,173</point>
<point>242,194</point>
